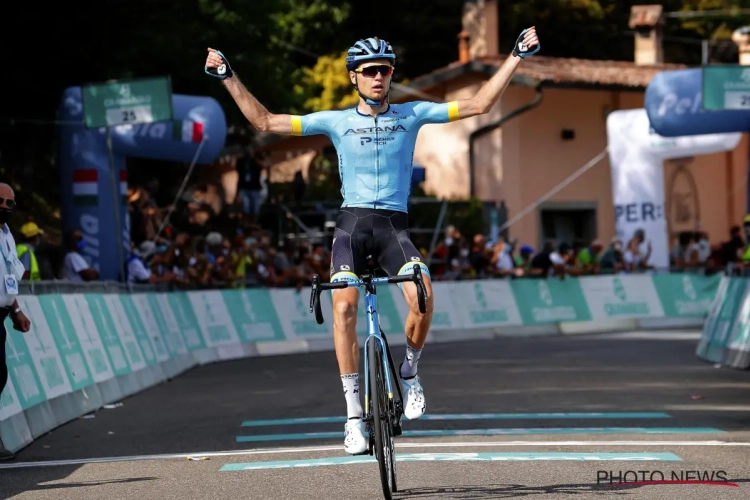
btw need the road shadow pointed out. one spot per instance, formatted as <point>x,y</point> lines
<point>24,480</point>
<point>488,491</point>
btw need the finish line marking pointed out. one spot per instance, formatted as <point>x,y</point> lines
<point>339,448</point>
<point>492,432</point>
<point>468,416</point>
<point>457,457</point>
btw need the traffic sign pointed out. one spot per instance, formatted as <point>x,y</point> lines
<point>122,102</point>
<point>726,87</point>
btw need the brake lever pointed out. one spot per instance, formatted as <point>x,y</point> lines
<point>315,282</point>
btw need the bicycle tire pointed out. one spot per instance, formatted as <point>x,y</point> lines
<point>394,414</point>
<point>381,425</point>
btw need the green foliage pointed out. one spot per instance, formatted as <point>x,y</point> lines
<point>287,52</point>
<point>327,85</point>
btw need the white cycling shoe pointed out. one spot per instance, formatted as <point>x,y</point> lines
<point>356,437</point>
<point>414,400</point>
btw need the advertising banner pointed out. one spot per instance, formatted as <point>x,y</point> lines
<point>636,155</point>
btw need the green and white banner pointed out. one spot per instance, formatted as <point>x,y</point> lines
<point>80,340</point>
<point>726,332</point>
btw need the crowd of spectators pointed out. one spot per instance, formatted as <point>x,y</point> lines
<point>196,251</point>
<point>457,257</point>
<point>247,258</point>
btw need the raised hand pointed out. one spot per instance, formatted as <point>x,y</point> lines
<point>527,43</point>
<point>217,65</point>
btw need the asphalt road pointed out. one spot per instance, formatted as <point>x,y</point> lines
<point>688,418</point>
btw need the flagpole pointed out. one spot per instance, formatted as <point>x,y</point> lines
<point>116,203</point>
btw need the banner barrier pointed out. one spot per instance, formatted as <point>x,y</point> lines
<point>726,331</point>
<point>86,350</point>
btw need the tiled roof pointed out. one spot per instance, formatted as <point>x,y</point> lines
<point>562,70</point>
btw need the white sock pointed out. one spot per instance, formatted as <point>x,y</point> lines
<point>409,367</point>
<point>350,382</point>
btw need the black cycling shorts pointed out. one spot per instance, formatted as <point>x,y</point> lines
<point>382,234</point>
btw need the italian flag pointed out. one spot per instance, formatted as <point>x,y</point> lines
<point>187,131</point>
<point>123,187</point>
<point>85,188</point>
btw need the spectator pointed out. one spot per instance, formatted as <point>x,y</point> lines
<point>612,261</point>
<point>502,260</point>
<point>733,249</point>
<point>681,255</point>
<point>633,256</point>
<point>544,262</point>
<point>702,248</point>
<point>478,258</point>
<point>12,271</point>
<point>31,238</point>
<point>523,260</point>
<point>138,270</point>
<point>75,266</point>
<point>564,261</point>
<point>439,260</point>
<point>588,258</point>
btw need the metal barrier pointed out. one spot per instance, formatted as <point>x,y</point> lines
<point>65,286</point>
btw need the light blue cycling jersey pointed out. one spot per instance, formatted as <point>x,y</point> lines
<point>375,153</point>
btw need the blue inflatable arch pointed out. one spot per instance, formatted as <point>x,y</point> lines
<point>675,108</point>
<point>88,203</point>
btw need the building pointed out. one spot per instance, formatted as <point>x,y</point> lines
<point>553,122</point>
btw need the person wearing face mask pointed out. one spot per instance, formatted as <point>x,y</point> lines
<point>75,267</point>
<point>502,260</point>
<point>32,236</point>
<point>12,271</point>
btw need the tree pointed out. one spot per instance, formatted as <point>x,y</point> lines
<point>326,85</point>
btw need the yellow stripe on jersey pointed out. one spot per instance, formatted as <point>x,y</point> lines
<point>453,113</point>
<point>296,125</point>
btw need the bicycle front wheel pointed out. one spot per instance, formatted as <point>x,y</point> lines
<point>381,424</point>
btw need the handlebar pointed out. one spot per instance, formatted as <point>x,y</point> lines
<point>318,287</point>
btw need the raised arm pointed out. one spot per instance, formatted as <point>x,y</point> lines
<point>258,116</point>
<point>526,45</point>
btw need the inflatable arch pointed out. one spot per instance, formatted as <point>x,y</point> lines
<point>88,203</point>
<point>636,156</point>
<point>674,103</point>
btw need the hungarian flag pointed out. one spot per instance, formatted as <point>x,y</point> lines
<point>85,188</point>
<point>187,131</point>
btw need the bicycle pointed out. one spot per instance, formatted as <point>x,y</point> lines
<point>382,413</point>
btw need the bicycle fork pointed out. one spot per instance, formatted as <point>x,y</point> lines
<point>373,329</point>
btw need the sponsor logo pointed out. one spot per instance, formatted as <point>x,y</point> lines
<point>345,268</point>
<point>377,140</point>
<point>375,130</point>
<point>89,225</point>
<point>156,130</point>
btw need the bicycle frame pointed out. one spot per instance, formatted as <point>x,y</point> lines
<point>373,335</point>
<point>369,283</point>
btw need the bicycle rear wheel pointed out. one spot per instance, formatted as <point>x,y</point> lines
<point>381,422</point>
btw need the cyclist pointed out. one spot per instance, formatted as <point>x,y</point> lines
<point>375,143</point>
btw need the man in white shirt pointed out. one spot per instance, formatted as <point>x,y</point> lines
<point>75,267</point>
<point>12,271</point>
<point>139,271</point>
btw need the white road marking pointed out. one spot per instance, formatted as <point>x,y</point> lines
<point>406,445</point>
